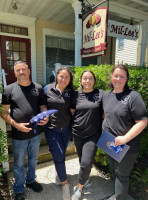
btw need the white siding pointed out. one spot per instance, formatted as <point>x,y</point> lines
<point>128,54</point>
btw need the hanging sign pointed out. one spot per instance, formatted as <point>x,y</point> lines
<point>94,33</point>
<point>121,30</point>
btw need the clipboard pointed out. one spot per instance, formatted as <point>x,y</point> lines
<point>106,144</point>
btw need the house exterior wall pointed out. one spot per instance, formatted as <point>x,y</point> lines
<point>128,55</point>
<point>139,49</point>
<point>40,25</point>
<point>109,57</point>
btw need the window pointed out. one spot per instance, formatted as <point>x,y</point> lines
<point>120,44</point>
<point>13,29</point>
<point>15,50</point>
<point>58,50</point>
<point>61,50</point>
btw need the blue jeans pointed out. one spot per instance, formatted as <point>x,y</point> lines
<point>57,139</point>
<point>20,147</point>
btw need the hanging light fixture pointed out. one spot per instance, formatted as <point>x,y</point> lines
<point>14,5</point>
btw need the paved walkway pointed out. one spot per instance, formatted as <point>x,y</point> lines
<point>101,188</point>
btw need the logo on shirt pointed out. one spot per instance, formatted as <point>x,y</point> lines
<point>66,94</point>
<point>34,92</point>
<point>125,99</point>
<point>96,97</point>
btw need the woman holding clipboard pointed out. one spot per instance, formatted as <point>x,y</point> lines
<point>125,117</point>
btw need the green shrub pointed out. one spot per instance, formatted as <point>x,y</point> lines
<point>101,157</point>
<point>3,149</point>
<point>101,72</point>
<point>3,145</point>
<point>138,81</point>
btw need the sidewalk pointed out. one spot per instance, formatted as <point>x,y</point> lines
<point>102,187</point>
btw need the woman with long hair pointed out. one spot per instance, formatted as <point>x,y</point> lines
<point>86,127</point>
<point>125,117</point>
<point>57,131</point>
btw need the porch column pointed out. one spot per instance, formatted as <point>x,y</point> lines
<point>144,41</point>
<point>78,31</point>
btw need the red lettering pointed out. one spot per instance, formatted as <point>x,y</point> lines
<point>136,33</point>
<point>97,35</point>
<point>129,33</point>
<point>102,33</point>
<point>132,34</point>
<point>120,30</point>
<point>113,29</point>
<point>125,32</point>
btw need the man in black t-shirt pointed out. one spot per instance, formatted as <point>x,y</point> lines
<point>25,99</point>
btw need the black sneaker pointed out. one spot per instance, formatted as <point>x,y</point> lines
<point>36,187</point>
<point>19,196</point>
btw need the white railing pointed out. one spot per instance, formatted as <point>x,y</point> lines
<point>2,122</point>
<point>4,78</point>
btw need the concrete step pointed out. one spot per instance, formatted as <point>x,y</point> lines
<point>44,154</point>
<point>10,148</point>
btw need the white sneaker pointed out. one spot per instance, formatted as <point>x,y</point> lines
<point>66,192</point>
<point>77,193</point>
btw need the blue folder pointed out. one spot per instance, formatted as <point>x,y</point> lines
<point>106,143</point>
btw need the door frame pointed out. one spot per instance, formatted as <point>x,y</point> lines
<point>3,40</point>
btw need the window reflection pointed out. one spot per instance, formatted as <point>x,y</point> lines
<point>22,46</point>
<point>23,56</point>
<point>10,65</point>
<point>16,46</point>
<point>8,45</point>
<point>16,55</point>
<point>9,55</point>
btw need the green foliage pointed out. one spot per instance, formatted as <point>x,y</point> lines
<point>3,144</point>
<point>144,177</point>
<point>101,72</point>
<point>101,157</point>
<point>3,149</point>
<point>138,81</point>
<point>139,176</point>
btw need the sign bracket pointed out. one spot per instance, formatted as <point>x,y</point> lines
<point>90,7</point>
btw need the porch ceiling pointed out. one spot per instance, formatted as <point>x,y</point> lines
<point>61,11</point>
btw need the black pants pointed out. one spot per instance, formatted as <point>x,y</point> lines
<point>121,172</point>
<point>86,150</point>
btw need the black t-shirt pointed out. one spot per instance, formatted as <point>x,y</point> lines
<point>25,102</point>
<point>60,102</point>
<point>87,119</point>
<point>121,110</point>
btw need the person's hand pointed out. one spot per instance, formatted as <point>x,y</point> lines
<point>119,140</point>
<point>43,122</point>
<point>23,127</point>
